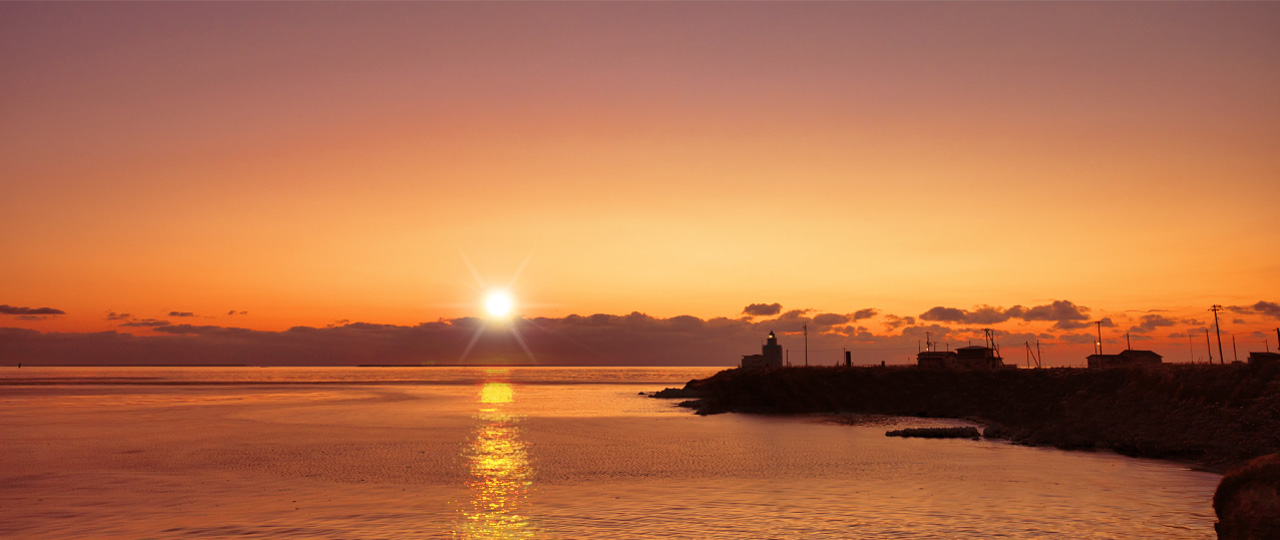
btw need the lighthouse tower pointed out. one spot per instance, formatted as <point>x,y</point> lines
<point>772,352</point>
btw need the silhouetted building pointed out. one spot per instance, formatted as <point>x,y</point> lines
<point>770,355</point>
<point>972,357</point>
<point>1126,358</point>
<point>936,359</point>
<point>1263,358</point>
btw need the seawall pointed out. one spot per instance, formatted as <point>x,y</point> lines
<point>1213,416</point>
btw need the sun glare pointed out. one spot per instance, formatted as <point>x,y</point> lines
<point>498,304</point>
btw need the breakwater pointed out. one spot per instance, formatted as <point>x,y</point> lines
<point>1213,416</point>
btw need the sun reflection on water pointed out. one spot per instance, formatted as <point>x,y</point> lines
<point>500,472</point>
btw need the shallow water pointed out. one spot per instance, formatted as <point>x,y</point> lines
<point>558,453</point>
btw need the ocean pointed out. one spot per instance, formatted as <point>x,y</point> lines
<point>528,452</point>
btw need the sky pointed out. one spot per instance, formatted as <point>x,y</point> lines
<point>216,182</point>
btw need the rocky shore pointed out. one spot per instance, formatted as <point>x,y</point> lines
<point>1215,417</point>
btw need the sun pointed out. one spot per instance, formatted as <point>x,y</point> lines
<point>499,304</point>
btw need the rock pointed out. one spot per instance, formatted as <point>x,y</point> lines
<point>1248,501</point>
<point>969,432</point>
<point>995,431</point>
<point>671,393</point>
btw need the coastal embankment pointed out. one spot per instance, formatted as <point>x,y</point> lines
<point>1216,417</point>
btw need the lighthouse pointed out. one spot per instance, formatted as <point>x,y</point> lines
<point>770,354</point>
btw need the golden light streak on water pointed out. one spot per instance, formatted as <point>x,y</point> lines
<point>501,475</point>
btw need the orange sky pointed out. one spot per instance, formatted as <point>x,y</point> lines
<point>311,163</point>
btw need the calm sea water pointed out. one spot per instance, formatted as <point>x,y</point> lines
<point>502,453</point>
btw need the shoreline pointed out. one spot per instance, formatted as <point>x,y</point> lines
<point>1212,418</point>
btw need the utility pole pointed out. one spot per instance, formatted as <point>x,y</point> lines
<point>806,345</point>
<point>1191,345</point>
<point>1235,355</point>
<point>1127,344</point>
<point>1207,345</point>
<point>1222,359</point>
<point>1099,323</point>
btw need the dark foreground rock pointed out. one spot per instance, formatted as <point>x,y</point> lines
<point>1214,416</point>
<point>936,433</point>
<point>1248,501</point>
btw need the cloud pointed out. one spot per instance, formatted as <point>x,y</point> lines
<point>893,322</point>
<point>1269,309</point>
<point>113,316</point>
<point>864,314</point>
<point>234,312</point>
<point>945,314</point>
<point>1151,322</point>
<point>6,309</point>
<point>143,323</point>
<point>1065,314</point>
<point>762,310</point>
<point>181,314</point>
<point>597,339</point>
<point>829,319</point>
<point>1079,338</point>
<point>1058,311</point>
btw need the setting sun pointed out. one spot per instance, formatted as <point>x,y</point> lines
<point>498,304</point>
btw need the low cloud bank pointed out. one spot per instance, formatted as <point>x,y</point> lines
<point>633,339</point>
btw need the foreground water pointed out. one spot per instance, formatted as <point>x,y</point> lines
<point>494,453</point>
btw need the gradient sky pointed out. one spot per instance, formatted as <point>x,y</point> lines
<point>308,164</point>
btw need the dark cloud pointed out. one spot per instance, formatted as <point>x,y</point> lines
<point>181,314</point>
<point>6,309</point>
<point>1151,322</point>
<point>893,322</point>
<point>113,316</point>
<point>143,323</point>
<point>1269,309</point>
<point>234,312</point>
<point>32,317</point>
<point>1058,311</point>
<point>829,319</point>
<point>762,310</point>
<point>1064,314</point>
<point>1239,321</point>
<point>945,314</point>
<point>865,314</point>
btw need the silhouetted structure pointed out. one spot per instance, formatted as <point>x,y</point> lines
<point>971,357</point>
<point>1263,358</point>
<point>770,355</point>
<point>936,359</point>
<point>1126,358</point>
